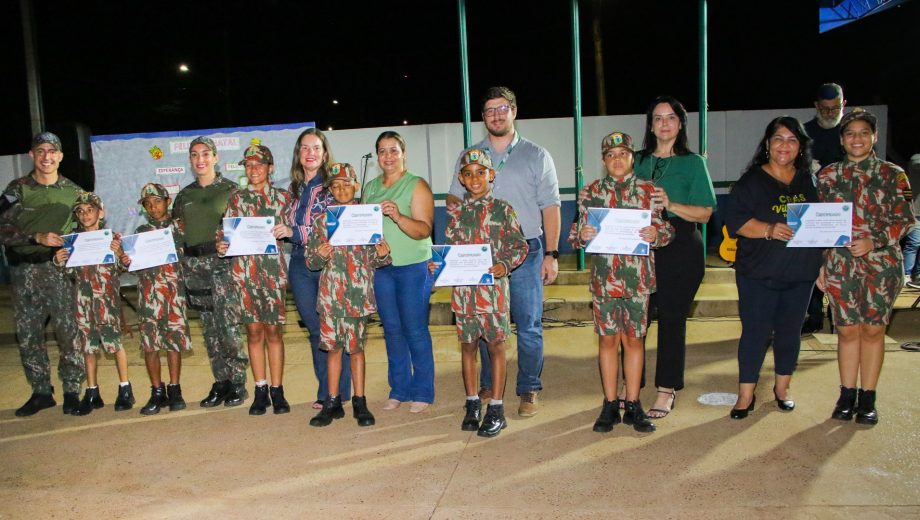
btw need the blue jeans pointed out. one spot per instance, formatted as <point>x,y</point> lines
<point>527,312</point>
<point>911,245</point>
<point>304,286</point>
<point>402,303</point>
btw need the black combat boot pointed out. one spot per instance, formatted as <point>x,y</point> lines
<point>125,399</point>
<point>91,401</point>
<point>332,409</point>
<point>217,394</point>
<point>865,409</point>
<point>360,411</point>
<point>846,404</point>
<point>473,415</point>
<point>635,416</point>
<point>71,402</point>
<point>279,403</point>
<point>609,417</point>
<point>36,403</point>
<point>494,421</point>
<point>157,400</point>
<point>259,401</point>
<point>174,396</point>
<point>236,395</point>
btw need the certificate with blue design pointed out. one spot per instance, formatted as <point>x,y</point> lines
<point>465,264</point>
<point>250,236</point>
<point>89,248</point>
<point>820,224</point>
<point>150,249</point>
<point>618,231</point>
<point>354,224</point>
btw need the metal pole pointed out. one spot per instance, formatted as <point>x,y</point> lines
<point>704,104</point>
<point>576,98</point>
<point>33,81</point>
<point>464,76</point>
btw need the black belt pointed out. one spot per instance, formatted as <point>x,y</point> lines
<point>203,249</point>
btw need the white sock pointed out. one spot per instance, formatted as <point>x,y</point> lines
<point>495,402</point>
<point>261,382</point>
<point>92,387</point>
<point>472,398</point>
<point>126,383</point>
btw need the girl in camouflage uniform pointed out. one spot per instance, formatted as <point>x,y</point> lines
<point>863,279</point>
<point>262,279</point>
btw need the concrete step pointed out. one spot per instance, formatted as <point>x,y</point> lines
<point>716,275</point>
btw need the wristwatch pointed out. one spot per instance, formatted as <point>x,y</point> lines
<point>554,254</point>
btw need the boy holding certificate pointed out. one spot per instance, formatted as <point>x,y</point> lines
<point>345,300</point>
<point>482,311</point>
<point>98,309</point>
<point>161,307</point>
<point>262,278</point>
<point>620,284</point>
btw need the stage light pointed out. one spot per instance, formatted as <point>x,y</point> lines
<point>335,101</point>
<point>183,67</point>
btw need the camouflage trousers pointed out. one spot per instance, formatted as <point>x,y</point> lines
<point>39,291</point>
<point>211,291</point>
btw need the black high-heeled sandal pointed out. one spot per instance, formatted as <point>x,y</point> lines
<point>786,405</point>
<point>664,413</point>
<point>743,412</point>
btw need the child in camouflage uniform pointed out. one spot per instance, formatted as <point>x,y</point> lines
<point>620,285</point>
<point>98,310</point>
<point>482,311</point>
<point>345,301</point>
<point>863,279</point>
<point>162,323</point>
<point>261,279</point>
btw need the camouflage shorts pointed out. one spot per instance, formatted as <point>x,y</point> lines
<point>263,305</point>
<point>94,341</point>
<point>867,300</point>
<point>615,315</point>
<point>490,327</point>
<point>342,333</point>
<point>155,337</point>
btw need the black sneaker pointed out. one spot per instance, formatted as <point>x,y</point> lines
<point>494,421</point>
<point>157,400</point>
<point>217,394</point>
<point>174,397</point>
<point>91,401</point>
<point>71,402</point>
<point>236,395</point>
<point>635,416</point>
<point>360,411</point>
<point>260,401</point>
<point>36,403</point>
<point>125,399</point>
<point>332,409</point>
<point>279,403</point>
<point>609,417</point>
<point>473,415</point>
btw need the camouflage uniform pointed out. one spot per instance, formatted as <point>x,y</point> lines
<point>39,288</point>
<point>261,279</point>
<point>162,322</point>
<point>620,284</point>
<point>98,307</point>
<point>483,310</point>
<point>863,290</point>
<point>346,290</point>
<point>208,282</point>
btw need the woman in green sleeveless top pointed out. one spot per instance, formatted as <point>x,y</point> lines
<point>403,289</point>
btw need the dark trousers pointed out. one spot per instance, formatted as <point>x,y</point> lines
<point>768,308</point>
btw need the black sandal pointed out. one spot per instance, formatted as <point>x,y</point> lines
<point>664,413</point>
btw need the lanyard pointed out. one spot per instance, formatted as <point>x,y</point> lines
<point>501,165</point>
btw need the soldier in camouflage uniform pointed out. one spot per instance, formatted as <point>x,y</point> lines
<point>261,279</point>
<point>209,286</point>
<point>620,285</point>
<point>483,311</point>
<point>162,322</point>
<point>98,308</point>
<point>35,211</point>
<point>345,301</point>
<point>863,279</point>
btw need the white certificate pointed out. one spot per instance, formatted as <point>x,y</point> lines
<point>820,224</point>
<point>466,264</point>
<point>89,248</point>
<point>354,225</point>
<point>150,249</point>
<point>618,231</point>
<point>250,236</point>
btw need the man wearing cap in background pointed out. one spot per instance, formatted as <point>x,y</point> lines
<point>825,149</point>
<point>208,284</point>
<point>34,213</point>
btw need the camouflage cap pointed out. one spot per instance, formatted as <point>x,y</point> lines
<point>616,140</point>
<point>152,189</point>
<point>475,156</point>
<point>47,138</point>
<point>860,114</point>
<point>207,141</point>
<point>257,152</point>
<point>340,171</point>
<point>87,197</point>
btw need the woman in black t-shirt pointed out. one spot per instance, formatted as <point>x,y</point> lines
<point>774,281</point>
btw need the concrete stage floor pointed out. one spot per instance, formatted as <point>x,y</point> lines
<point>699,464</point>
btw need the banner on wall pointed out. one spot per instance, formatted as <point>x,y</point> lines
<point>124,163</point>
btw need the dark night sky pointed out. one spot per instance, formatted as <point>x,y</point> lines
<point>113,65</point>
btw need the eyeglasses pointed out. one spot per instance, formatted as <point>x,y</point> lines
<point>829,110</point>
<point>500,109</point>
